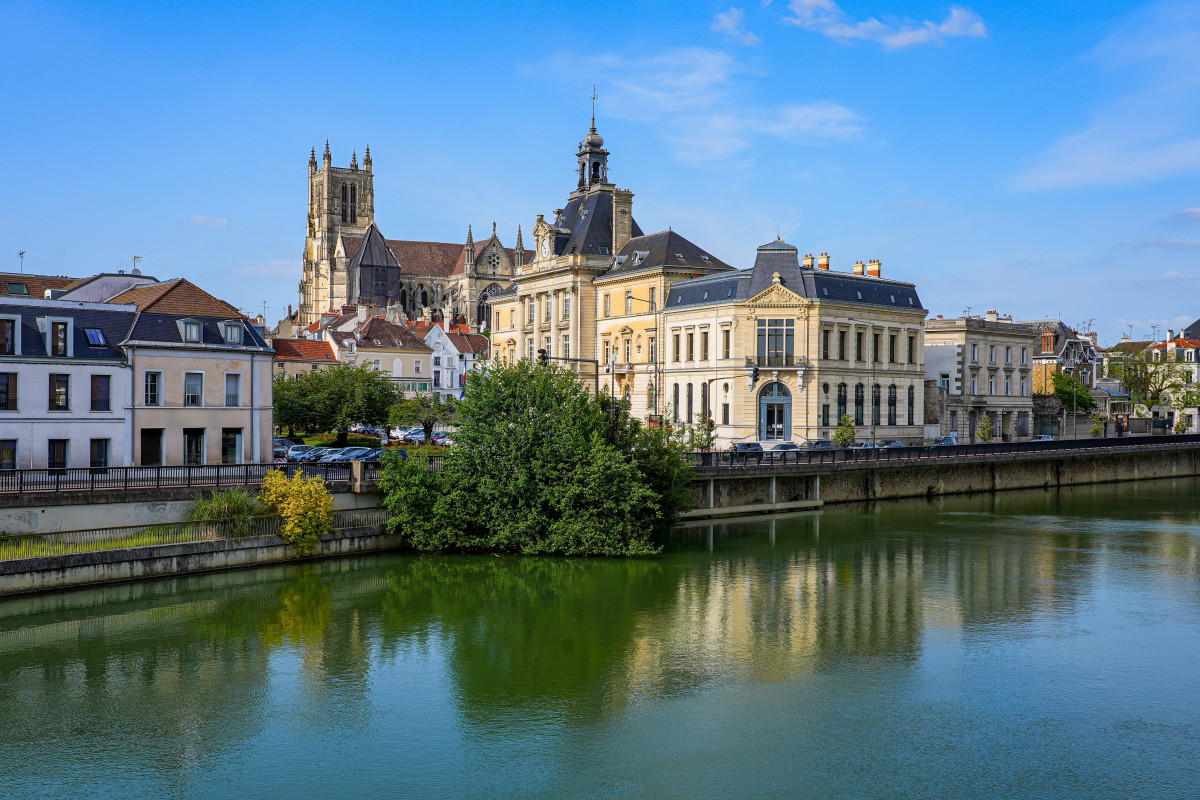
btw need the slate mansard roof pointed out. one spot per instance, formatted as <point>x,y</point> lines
<point>151,330</point>
<point>663,249</point>
<point>113,324</point>
<point>585,226</point>
<point>808,282</point>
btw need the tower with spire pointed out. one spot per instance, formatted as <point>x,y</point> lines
<point>340,200</point>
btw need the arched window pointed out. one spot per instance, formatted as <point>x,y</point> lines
<point>689,403</point>
<point>892,404</point>
<point>775,412</point>
<point>858,404</point>
<point>353,203</point>
<point>595,172</point>
<point>675,405</point>
<point>841,403</point>
<point>875,404</point>
<point>345,202</point>
<point>912,398</point>
<point>424,298</point>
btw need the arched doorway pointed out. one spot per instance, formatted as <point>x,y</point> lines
<point>775,413</point>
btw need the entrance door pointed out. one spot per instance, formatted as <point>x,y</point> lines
<point>152,447</point>
<point>775,413</point>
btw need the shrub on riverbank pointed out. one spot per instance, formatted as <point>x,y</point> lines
<point>305,506</point>
<point>235,507</point>
<point>539,465</point>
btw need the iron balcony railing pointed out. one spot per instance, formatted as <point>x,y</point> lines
<point>34,545</point>
<point>797,459</point>
<point>776,361</point>
<point>98,478</point>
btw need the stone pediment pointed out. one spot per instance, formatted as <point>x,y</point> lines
<point>776,295</point>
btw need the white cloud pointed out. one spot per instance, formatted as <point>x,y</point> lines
<point>731,23</point>
<point>1170,243</point>
<point>279,267</point>
<point>911,204</point>
<point>828,18</point>
<point>1189,216</point>
<point>205,221</point>
<point>695,98</point>
<point>1148,134</point>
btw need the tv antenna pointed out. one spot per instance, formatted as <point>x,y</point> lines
<point>21,255</point>
<point>966,311</point>
<point>135,261</point>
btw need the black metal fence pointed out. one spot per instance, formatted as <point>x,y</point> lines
<point>729,460</point>
<point>99,478</point>
<point>33,545</point>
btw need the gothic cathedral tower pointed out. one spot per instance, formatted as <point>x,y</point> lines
<point>340,200</point>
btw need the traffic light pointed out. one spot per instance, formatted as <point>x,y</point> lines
<point>543,358</point>
<point>753,375</point>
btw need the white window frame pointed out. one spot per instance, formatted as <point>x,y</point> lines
<point>185,391</point>
<point>46,328</point>
<point>16,341</point>
<point>185,324</point>
<point>159,388</point>
<point>228,331</point>
<point>416,366</point>
<point>238,375</point>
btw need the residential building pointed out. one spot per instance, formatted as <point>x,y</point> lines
<point>64,383</point>
<point>454,354</point>
<point>1181,356</point>
<point>823,344</point>
<point>294,357</point>
<point>1061,348</point>
<point>347,260</point>
<point>985,364</point>
<point>32,287</point>
<point>390,348</point>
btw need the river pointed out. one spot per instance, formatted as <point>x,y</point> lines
<point>1023,645</point>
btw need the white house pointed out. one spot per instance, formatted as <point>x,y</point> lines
<point>454,355</point>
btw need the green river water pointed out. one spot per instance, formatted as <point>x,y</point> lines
<point>1026,645</point>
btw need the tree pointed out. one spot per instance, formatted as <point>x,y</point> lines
<point>844,435</point>
<point>295,402</point>
<point>1147,380</point>
<point>423,410</point>
<point>540,466</point>
<point>350,394</point>
<point>1098,423</point>
<point>305,506</point>
<point>986,429</point>
<point>1073,393</point>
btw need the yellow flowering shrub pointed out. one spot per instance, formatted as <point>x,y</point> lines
<point>305,506</point>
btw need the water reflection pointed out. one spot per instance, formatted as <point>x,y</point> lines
<point>170,678</point>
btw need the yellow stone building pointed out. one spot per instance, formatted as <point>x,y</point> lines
<point>774,353</point>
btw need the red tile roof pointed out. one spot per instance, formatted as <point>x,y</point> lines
<point>302,350</point>
<point>469,342</point>
<point>180,297</point>
<point>35,285</point>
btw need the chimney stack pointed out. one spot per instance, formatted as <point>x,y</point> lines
<point>858,268</point>
<point>808,261</point>
<point>823,261</point>
<point>622,224</point>
<point>1170,334</point>
<point>874,268</point>
<point>992,315</point>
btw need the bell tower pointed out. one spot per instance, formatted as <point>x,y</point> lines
<point>593,158</point>
<point>340,200</point>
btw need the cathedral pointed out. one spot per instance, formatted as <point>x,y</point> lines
<point>347,259</point>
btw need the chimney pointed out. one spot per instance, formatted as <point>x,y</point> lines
<point>622,219</point>
<point>1092,335</point>
<point>874,268</point>
<point>1047,341</point>
<point>809,261</point>
<point>1170,334</point>
<point>823,261</point>
<point>858,268</point>
<point>992,315</point>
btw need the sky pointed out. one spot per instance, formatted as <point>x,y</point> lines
<point>1040,159</point>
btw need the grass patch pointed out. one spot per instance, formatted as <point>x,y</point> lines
<point>236,507</point>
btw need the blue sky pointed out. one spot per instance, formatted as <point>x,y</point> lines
<point>1037,158</point>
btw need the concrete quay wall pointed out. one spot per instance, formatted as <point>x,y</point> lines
<point>722,492</point>
<point>109,566</point>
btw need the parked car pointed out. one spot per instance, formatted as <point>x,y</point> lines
<point>863,446</point>
<point>281,441</point>
<point>1042,437</point>
<point>747,447</point>
<point>314,454</point>
<point>279,451</point>
<point>786,446</point>
<point>295,451</point>
<point>349,454</point>
<point>333,453</point>
<point>945,441</point>
<point>817,444</point>
<point>893,443</point>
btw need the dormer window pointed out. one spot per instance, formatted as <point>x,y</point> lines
<point>233,333</point>
<point>192,330</point>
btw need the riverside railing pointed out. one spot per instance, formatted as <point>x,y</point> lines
<point>32,545</point>
<point>101,478</point>
<point>786,459</point>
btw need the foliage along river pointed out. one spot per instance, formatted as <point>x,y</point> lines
<point>1026,645</point>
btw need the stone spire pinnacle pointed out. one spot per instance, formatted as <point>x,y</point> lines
<point>493,227</point>
<point>312,161</point>
<point>520,244</point>
<point>469,250</point>
<point>367,159</point>
<point>354,160</point>
<point>328,157</point>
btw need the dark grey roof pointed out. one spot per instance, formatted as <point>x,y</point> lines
<point>1191,331</point>
<point>373,251</point>
<point>585,225</point>
<point>814,284</point>
<point>164,329</point>
<point>662,249</point>
<point>113,324</point>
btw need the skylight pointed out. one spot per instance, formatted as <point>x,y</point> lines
<point>859,295</point>
<point>95,337</point>
<point>17,288</point>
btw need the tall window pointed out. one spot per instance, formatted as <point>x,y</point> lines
<point>892,348</point>
<point>974,384</point>
<point>825,344</point>
<point>60,392</point>
<point>653,345</point>
<point>8,453</point>
<point>653,305</point>
<point>878,357</point>
<point>1024,354</point>
<point>8,336</point>
<point>858,404</point>
<point>607,305</point>
<point>193,446</point>
<point>353,203</point>
<point>912,400</point>
<point>691,347</point>
<point>1007,385</point>
<point>57,453</point>
<point>529,306</point>
<point>891,404</point>
<point>704,401</point>
<point>629,302</point>
<point>345,203</point>
<point>841,345</point>
<point>974,352</point>
<point>1022,387</point>
<point>628,351</point>
<point>193,389</point>
<point>724,413</point>
<point>689,403</point>
<point>675,347</point>
<point>58,339</point>
<point>912,340</point>
<point>776,341</point>
<point>992,354</point>
<point>704,345</point>
<point>512,319</point>
<point>101,385</point>
<point>1008,355</point>
<point>153,393</point>
<point>99,452</point>
<point>566,306</point>
<point>991,384</point>
<point>841,402</point>
<point>231,445</point>
<point>825,414</point>
<point>566,348</point>
<point>858,346</point>
<point>875,404</point>
<point>233,388</point>
<point>675,404</point>
<point>549,308</point>
<point>8,391</point>
<point>726,337</point>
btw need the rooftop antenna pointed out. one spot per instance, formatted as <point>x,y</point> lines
<point>1154,332</point>
<point>134,270</point>
<point>264,312</point>
<point>966,311</point>
<point>21,255</point>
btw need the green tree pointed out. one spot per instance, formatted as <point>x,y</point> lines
<point>1098,421</point>
<point>540,466</point>
<point>423,410</point>
<point>350,394</point>
<point>986,431</point>
<point>843,435</point>
<point>295,401</point>
<point>1073,393</point>
<point>1149,381</point>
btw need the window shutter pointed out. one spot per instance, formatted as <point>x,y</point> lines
<point>100,390</point>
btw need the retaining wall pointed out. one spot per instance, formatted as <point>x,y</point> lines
<point>108,566</point>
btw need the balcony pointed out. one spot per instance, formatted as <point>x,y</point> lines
<point>777,362</point>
